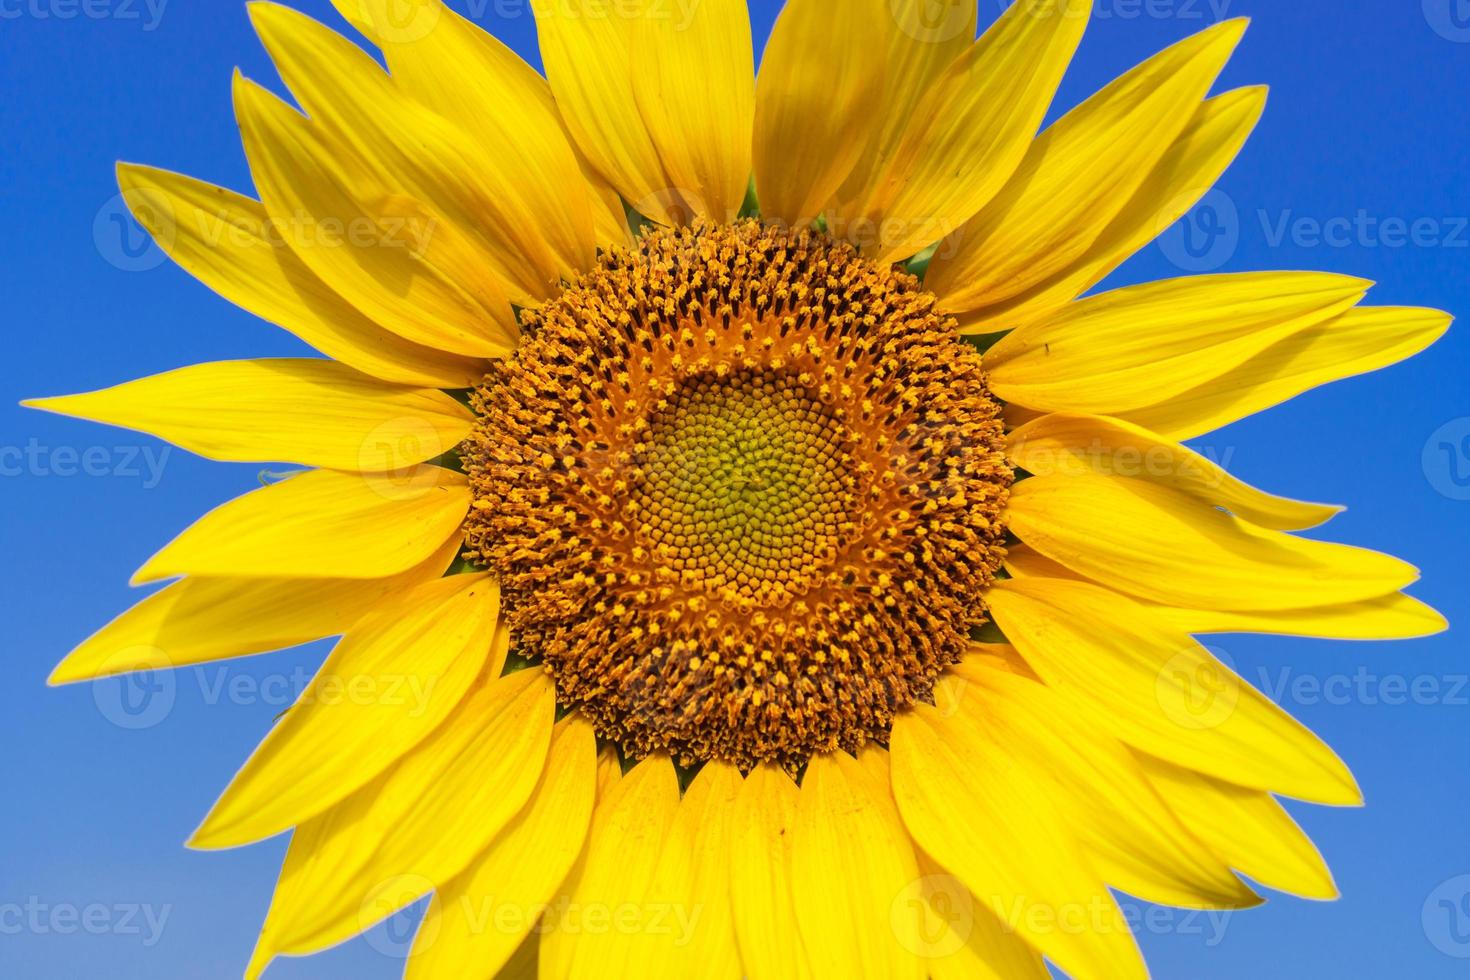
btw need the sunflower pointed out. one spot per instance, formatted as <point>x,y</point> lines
<point>756,550</point>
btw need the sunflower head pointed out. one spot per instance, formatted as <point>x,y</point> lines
<point>743,491</point>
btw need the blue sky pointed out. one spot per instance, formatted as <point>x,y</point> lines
<point>1359,167</point>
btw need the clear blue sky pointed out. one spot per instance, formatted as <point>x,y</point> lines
<point>1359,167</point>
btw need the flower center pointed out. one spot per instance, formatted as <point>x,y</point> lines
<point>743,491</point>
<point>747,484</point>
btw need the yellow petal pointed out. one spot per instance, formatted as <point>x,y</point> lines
<point>694,83</point>
<point>923,39</point>
<point>815,94</point>
<point>1156,688</point>
<point>1136,843</point>
<point>1186,173</point>
<point>505,107</point>
<point>515,202</point>
<point>616,876</point>
<point>973,128</point>
<point>1141,345</point>
<point>850,859</point>
<point>200,620</point>
<point>319,524</point>
<point>387,252</point>
<point>694,874</point>
<point>1067,445</point>
<point>228,242</point>
<point>1173,549</point>
<point>963,939</point>
<point>290,410</point>
<point>760,878</point>
<point>524,963</point>
<point>391,680</point>
<point>609,770</point>
<point>1390,617</point>
<point>1080,174</point>
<point>1246,827</point>
<point>589,63</point>
<point>955,774</point>
<point>477,921</point>
<point>417,826</point>
<point>1360,341</point>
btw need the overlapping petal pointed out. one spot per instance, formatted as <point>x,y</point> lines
<point>954,771</point>
<point>200,620</point>
<point>618,871</point>
<point>478,922</point>
<point>418,825</point>
<point>845,830</point>
<point>385,249</point>
<point>1079,174</point>
<point>1182,177</point>
<point>968,133</point>
<point>761,897</point>
<point>1173,549</point>
<point>1143,345</point>
<point>1157,689</point>
<point>1072,444</point>
<point>390,682</point>
<point>230,244</point>
<point>819,81</point>
<point>1360,341</point>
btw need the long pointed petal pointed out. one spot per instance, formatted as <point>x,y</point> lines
<point>1173,549</point>
<point>290,410</point>
<point>1157,689</point>
<point>319,524</point>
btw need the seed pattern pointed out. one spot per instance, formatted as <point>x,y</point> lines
<point>743,490</point>
<point>748,484</point>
